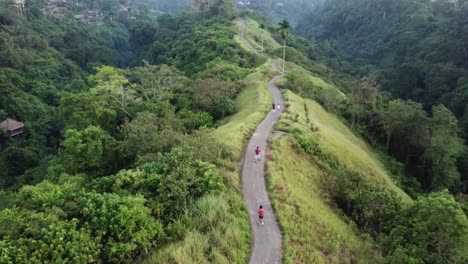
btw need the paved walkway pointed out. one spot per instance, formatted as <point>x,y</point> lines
<point>246,41</point>
<point>267,238</point>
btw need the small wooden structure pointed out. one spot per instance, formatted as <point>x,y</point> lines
<point>12,127</point>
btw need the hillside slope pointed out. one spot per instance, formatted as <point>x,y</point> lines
<point>302,187</point>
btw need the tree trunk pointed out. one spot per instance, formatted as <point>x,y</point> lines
<point>466,54</point>
<point>389,134</point>
<point>284,55</point>
<point>262,41</point>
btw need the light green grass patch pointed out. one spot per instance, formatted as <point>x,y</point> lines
<point>219,229</point>
<point>309,78</point>
<point>237,28</point>
<point>253,33</point>
<point>337,140</point>
<point>220,233</point>
<point>314,232</point>
<point>254,103</point>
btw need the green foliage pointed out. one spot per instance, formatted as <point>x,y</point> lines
<point>110,82</point>
<point>122,224</point>
<point>194,44</point>
<point>215,96</point>
<point>80,110</point>
<point>169,184</point>
<point>29,237</point>
<point>293,10</point>
<point>148,118</point>
<point>17,161</point>
<point>432,230</point>
<point>223,70</point>
<point>86,150</point>
<point>149,133</point>
<point>419,51</point>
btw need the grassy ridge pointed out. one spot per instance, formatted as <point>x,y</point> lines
<point>220,234</point>
<point>221,229</point>
<point>254,103</point>
<point>310,83</point>
<point>315,232</point>
<point>253,33</point>
<point>337,140</point>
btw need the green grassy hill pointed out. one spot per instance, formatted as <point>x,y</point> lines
<point>253,33</point>
<point>315,230</point>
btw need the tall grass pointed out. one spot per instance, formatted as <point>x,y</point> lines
<point>254,35</point>
<point>254,103</point>
<point>338,141</point>
<point>311,83</point>
<point>314,230</point>
<point>218,233</point>
<point>216,229</point>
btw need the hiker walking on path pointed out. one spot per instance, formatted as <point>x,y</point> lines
<point>261,212</point>
<point>257,154</point>
<point>267,246</point>
<point>278,107</point>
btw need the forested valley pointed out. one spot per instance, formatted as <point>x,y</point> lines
<point>128,123</point>
<point>117,101</point>
<point>415,53</point>
<point>401,72</point>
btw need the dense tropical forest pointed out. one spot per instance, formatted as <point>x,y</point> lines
<point>395,72</point>
<point>117,106</point>
<point>124,156</point>
<point>416,51</point>
<point>277,10</point>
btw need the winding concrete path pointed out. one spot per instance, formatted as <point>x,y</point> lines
<point>267,238</point>
<point>242,36</point>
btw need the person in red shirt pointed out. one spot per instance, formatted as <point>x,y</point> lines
<point>257,154</point>
<point>261,212</point>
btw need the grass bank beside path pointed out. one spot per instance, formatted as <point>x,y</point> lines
<point>218,224</point>
<point>314,231</point>
<point>254,103</point>
<point>337,141</point>
<point>312,83</point>
<point>254,34</point>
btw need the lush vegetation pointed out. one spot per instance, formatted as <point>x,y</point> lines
<point>120,160</point>
<point>321,154</point>
<point>277,10</point>
<point>135,122</point>
<point>417,51</point>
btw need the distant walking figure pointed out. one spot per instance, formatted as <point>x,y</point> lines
<point>273,106</point>
<point>257,154</point>
<point>278,107</point>
<point>261,212</point>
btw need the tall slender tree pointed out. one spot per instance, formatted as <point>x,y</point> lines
<point>262,27</point>
<point>284,31</point>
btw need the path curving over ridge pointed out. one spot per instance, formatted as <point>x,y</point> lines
<point>267,247</point>
<point>242,36</point>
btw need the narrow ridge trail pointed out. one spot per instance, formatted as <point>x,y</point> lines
<point>267,238</point>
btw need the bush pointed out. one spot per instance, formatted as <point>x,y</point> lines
<point>432,230</point>
<point>28,237</point>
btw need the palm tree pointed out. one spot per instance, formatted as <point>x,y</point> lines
<point>262,27</point>
<point>284,31</point>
